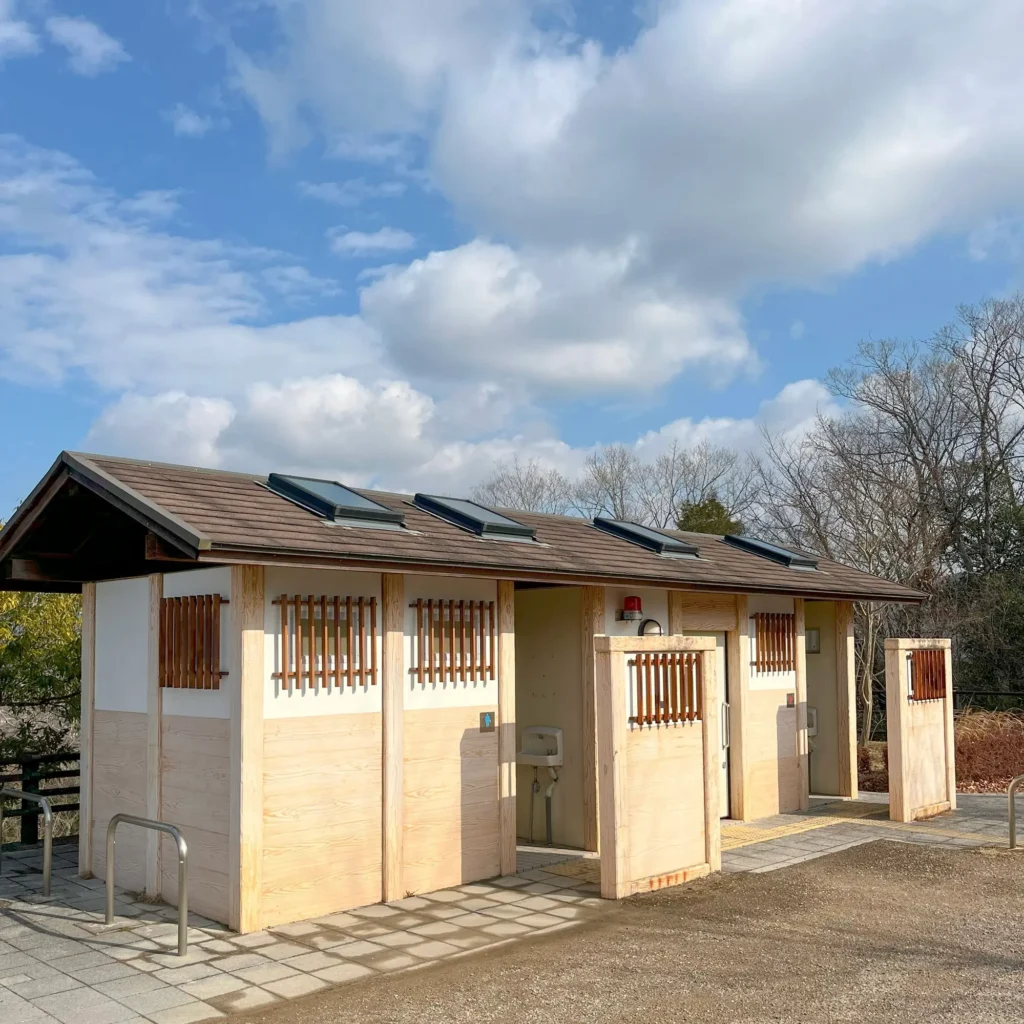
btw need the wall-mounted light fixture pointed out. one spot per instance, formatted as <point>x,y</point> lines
<point>649,627</point>
<point>632,610</point>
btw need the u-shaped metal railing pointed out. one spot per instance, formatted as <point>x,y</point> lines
<point>38,798</point>
<point>1011,793</point>
<point>179,839</point>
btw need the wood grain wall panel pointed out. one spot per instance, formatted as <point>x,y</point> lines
<point>451,822</point>
<point>695,613</point>
<point>119,787</point>
<point>322,829</point>
<point>666,825</point>
<point>772,769</point>
<point>195,770</point>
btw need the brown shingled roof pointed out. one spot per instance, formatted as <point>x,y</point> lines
<point>234,517</point>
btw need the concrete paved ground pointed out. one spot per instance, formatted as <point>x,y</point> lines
<point>884,933</point>
<point>58,962</point>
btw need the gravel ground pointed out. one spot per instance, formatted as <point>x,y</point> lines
<point>885,932</point>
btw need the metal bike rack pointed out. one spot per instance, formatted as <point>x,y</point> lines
<point>1010,794</point>
<point>179,839</point>
<point>47,829</point>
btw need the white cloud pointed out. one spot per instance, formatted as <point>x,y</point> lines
<point>96,285</point>
<point>170,427</point>
<point>17,37</point>
<point>91,51</point>
<point>369,243</point>
<point>575,321</point>
<point>635,197</point>
<point>353,192</point>
<point>188,123</point>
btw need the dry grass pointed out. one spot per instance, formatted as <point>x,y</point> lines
<point>989,753</point>
<point>989,750</point>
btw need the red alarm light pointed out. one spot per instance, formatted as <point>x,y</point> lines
<point>632,604</point>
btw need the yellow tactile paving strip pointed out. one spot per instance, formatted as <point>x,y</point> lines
<point>737,835</point>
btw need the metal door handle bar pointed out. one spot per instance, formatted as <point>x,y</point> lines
<point>1010,794</point>
<point>179,839</point>
<point>47,829</point>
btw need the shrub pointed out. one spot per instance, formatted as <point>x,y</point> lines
<point>989,749</point>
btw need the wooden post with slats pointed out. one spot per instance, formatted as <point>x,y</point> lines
<point>505,631</point>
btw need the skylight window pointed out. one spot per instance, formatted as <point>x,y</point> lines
<point>784,556</point>
<point>643,536</point>
<point>334,501</point>
<point>478,519</point>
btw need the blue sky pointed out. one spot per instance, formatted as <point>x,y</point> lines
<point>398,243</point>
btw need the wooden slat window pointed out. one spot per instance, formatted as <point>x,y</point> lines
<point>327,643</point>
<point>927,670</point>
<point>455,641</point>
<point>774,642</point>
<point>668,688</point>
<point>190,642</point>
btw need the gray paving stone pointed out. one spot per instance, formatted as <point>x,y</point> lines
<point>243,1001</point>
<point>346,972</point>
<point>269,972</point>
<point>186,974</point>
<point>293,988</point>
<point>84,1005</point>
<point>187,1013</point>
<point>148,1003</point>
<point>129,986</point>
<point>215,985</point>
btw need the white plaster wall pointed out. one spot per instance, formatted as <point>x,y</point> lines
<point>122,635</point>
<point>768,680</point>
<point>203,703</point>
<point>655,606</point>
<point>420,696</point>
<point>363,698</point>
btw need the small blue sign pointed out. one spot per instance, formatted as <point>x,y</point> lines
<point>487,721</point>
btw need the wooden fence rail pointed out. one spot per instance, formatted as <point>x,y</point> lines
<point>33,770</point>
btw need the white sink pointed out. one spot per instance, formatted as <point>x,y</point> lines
<point>539,760</point>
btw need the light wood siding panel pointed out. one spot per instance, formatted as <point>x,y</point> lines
<point>451,799</point>
<point>393,718</point>
<point>194,794</point>
<point>119,787</point>
<point>666,823</point>
<point>697,613</point>
<point>322,835</point>
<point>772,783</point>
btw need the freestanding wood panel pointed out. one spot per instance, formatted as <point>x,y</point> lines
<point>393,714</point>
<point>658,783</point>
<point>922,776</point>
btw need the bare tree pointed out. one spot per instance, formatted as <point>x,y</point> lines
<point>682,477</point>
<point>611,484</point>
<point>526,485</point>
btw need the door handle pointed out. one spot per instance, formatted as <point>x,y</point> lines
<point>726,726</point>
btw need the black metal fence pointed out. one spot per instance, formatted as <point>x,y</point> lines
<point>36,773</point>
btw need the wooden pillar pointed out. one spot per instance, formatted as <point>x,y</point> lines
<point>245,682</point>
<point>85,814</point>
<point>897,731</point>
<point>710,716</point>
<point>846,700</point>
<point>593,624</point>
<point>802,756</point>
<point>737,654</point>
<point>507,724</point>
<point>154,737</point>
<point>611,744</point>
<point>393,698</point>
<point>950,743</point>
